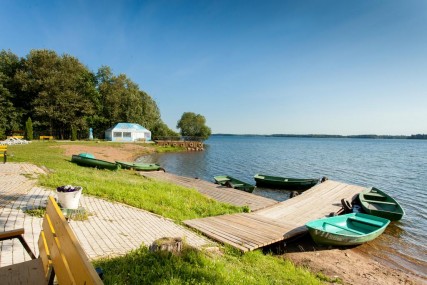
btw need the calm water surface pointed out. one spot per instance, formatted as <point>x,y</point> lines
<point>397,166</point>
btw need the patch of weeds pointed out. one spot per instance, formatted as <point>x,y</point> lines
<point>323,277</point>
<point>246,209</point>
<point>79,214</point>
<point>36,212</point>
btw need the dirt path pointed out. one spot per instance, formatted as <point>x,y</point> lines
<point>125,151</point>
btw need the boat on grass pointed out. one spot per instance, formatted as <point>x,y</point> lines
<point>140,166</point>
<point>231,182</point>
<point>86,160</point>
<point>347,230</point>
<point>269,181</point>
<point>378,203</point>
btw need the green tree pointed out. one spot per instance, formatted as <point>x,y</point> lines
<point>73,133</point>
<point>161,130</point>
<point>123,101</point>
<point>29,129</point>
<point>193,125</point>
<point>60,90</point>
<point>10,115</point>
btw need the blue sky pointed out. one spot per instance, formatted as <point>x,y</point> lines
<point>258,67</point>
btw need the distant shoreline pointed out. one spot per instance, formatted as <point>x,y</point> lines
<point>418,136</point>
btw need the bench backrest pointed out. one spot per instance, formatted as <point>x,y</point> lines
<point>46,138</point>
<point>3,152</point>
<point>60,249</point>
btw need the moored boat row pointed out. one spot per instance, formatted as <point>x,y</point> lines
<point>269,181</point>
<point>87,159</point>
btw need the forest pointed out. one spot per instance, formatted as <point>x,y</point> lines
<point>59,95</point>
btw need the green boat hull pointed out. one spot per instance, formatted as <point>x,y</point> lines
<point>378,203</point>
<point>231,182</point>
<point>92,162</point>
<point>283,182</point>
<point>347,230</point>
<point>140,166</point>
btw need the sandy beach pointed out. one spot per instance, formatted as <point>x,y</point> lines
<point>352,265</point>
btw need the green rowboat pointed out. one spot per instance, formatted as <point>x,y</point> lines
<point>139,166</point>
<point>346,230</point>
<point>378,203</point>
<point>231,182</point>
<point>283,182</point>
<point>92,162</point>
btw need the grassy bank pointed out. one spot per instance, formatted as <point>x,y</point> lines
<point>125,186</point>
<point>178,203</point>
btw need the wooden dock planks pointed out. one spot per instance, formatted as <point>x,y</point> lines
<point>249,231</point>
<point>215,191</point>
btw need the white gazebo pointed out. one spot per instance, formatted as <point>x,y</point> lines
<point>127,132</point>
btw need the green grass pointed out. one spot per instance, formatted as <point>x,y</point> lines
<point>178,203</point>
<point>199,267</point>
<point>165,199</point>
<point>38,212</point>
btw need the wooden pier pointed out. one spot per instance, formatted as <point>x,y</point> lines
<point>215,191</point>
<point>284,220</point>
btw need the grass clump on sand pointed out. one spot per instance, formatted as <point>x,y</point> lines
<point>200,267</point>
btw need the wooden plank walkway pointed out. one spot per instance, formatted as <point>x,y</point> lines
<point>215,191</point>
<point>249,231</point>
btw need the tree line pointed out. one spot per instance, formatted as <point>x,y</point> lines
<point>59,95</point>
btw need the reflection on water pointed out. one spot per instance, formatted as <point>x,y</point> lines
<point>398,167</point>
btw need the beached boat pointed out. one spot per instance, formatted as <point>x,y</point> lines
<point>92,162</point>
<point>284,183</point>
<point>231,182</point>
<point>347,230</point>
<point>140,166</point>
<point>378,203</point>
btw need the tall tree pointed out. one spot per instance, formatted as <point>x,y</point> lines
<point>10,115</point>
<point>60,90</point>
<point>29,129</point>
<point>193,125</point>
<point>123,101</point>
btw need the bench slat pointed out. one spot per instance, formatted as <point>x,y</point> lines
<point>28,272</point>
<point>44,254</point>
<point>78,263</point>
<point>60,264</point>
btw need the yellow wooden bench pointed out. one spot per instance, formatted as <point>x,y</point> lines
<point>61,255</point>
<point>3,152</point>
<point>46,138</point>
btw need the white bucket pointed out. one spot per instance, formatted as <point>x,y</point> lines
<point>69,200</point>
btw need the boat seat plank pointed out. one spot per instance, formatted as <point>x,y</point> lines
<point>344,228</point>
<point>380,202</point>
<point>366,221</point>
<point>372,194</point>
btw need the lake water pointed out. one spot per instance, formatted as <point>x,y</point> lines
<point>398,167</point>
